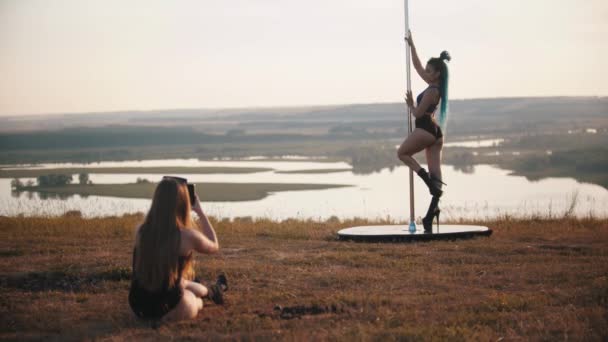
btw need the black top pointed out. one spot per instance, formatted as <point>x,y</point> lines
<point>154,305</point>
<point>431,108</point>
<point>427,121</point>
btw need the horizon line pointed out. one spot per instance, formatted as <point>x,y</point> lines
<point>280,106</point>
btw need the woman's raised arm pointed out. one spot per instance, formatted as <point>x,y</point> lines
<point>415,60</point>
<point>204,241</point>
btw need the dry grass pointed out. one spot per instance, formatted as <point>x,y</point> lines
<point>67,278</point>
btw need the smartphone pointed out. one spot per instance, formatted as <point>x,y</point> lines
<point>191,194</point>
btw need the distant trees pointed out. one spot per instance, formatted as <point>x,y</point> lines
<point>16,184</point>
<point>83,179</point>
<point>47,180</point>
<point>142,181</point>
<point>54,180</point>
<point>371,158</point>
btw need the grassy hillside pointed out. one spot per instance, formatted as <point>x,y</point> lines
<point>67,278</point>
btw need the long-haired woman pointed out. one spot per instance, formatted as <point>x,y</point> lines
<point>428,134</point>
<point>161,287</point>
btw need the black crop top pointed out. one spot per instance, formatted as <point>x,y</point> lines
<point>432,107</point>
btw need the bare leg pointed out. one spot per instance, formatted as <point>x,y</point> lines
<point>196,288</point>
<point>416,142</point>
<point>433,158</point>
<point>188,308</point>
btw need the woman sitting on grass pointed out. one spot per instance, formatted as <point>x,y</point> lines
<point>161,285</point>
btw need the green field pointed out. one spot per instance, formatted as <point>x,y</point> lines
<point>209,192</point>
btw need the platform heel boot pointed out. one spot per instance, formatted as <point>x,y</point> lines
<point>433,188</point>
<point>437,181</point>
<point>432,212</point>
<point>215,291</point>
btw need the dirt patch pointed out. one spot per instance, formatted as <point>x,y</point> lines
<point>297,311</point>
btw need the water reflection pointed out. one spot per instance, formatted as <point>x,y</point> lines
<point>192,162</point>
<point>41,195</point>
<point>464,168</point>
<point>472,193</point>
<point>475,143</point>
<point>18,194</point>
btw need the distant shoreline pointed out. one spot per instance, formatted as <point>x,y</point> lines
<point>280,108</point>
<point>16,173</point>
<point>208,192</point>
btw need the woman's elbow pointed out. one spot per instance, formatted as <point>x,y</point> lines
<point>214,248</point>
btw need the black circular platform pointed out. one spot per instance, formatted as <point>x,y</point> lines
<point>401,233</point>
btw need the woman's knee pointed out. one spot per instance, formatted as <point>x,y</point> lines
<point>199,290</point>
<point>192,304</point>
<point>403,153</point>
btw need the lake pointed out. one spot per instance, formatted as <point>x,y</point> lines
<point>486,192</point>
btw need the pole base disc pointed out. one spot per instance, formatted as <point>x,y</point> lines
<point>401,233</point>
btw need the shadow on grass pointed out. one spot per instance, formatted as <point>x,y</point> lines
<point>63,280</point>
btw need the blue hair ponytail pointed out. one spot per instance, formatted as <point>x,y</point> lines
<point>442,67</point>
<point>443,109</point>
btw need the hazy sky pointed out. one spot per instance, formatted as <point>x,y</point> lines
<point>84,55</point>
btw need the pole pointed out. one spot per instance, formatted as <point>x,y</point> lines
<point>412,225</point>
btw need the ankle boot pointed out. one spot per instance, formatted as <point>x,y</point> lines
<point>222,282</point>
<point>433,188</point>
<point>437,181</point>
<point>214,292</point>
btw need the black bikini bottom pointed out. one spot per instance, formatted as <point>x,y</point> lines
<point>426,123</point>
<point>153,306</point>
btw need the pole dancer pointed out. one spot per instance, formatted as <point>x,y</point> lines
<point>428,134</point>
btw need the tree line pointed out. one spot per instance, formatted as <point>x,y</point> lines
<point>51,180</point>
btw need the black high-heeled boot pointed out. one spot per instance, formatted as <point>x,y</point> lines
<point>433,211</point>
<point>437,181</point>
<point>433,188</point>
<point>215,291</point>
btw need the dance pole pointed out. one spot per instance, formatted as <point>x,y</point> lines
<point>412,225</point>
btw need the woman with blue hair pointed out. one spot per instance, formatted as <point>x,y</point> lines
<point>428,134</point>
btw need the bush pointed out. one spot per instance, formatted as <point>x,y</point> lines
<point>142,181</point>
<point>83,179</point>
<point>16,184</point>
<point>54,180</point>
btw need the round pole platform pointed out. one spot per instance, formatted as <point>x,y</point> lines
<point>400,233</point>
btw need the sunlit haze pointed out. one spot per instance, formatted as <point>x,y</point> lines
<point>82,56</point>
